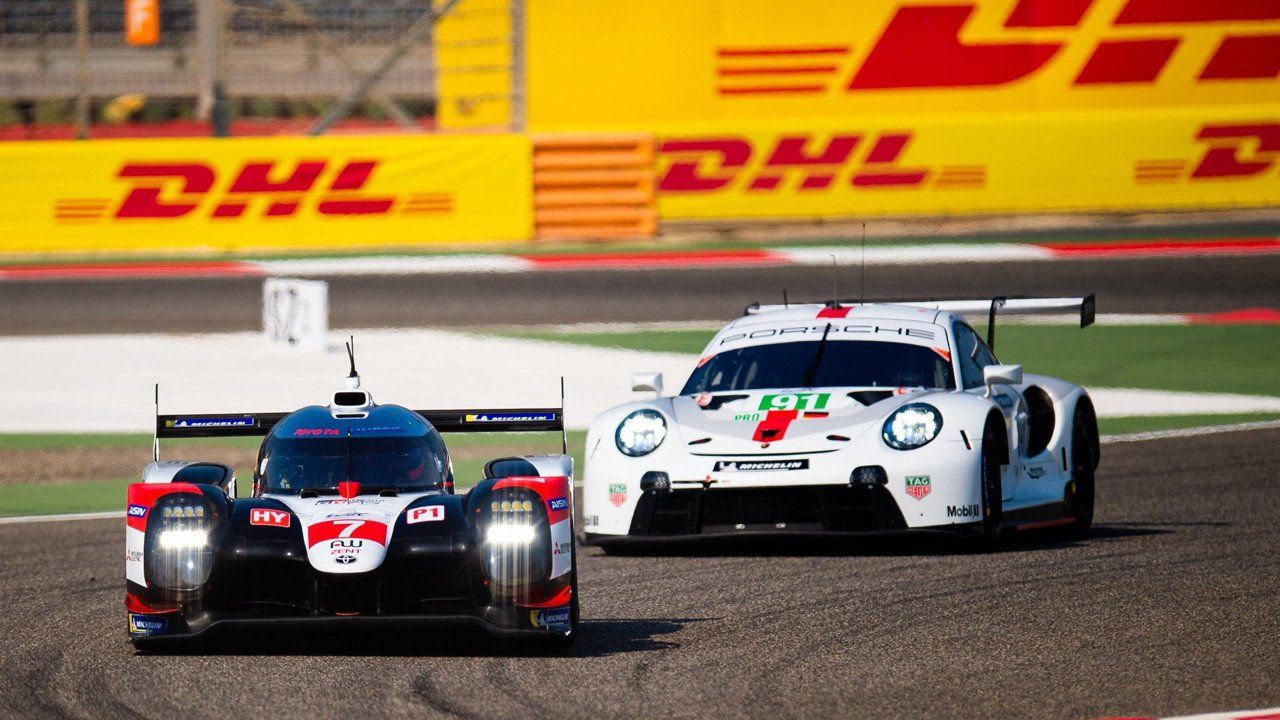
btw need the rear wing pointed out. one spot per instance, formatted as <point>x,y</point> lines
<point>205,425</point>
<point>1086,306</point>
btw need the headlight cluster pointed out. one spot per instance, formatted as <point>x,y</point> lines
<point>911,426</point>
<point>641,432</point>
<point>179,554</point>
<point>515,541</point>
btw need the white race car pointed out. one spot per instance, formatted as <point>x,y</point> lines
<point>847,418</point>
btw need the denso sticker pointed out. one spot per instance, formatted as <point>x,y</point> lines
<point>760,465</point>
<point>429,513</point>
<point>137,511</point>
<point>269,517</point>
<point>556,619</point>
<point>558,503</point>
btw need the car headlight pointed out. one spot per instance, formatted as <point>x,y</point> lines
<point>180,542</point>
<point>515,537</point>
<point>911,426</point>
<point>641,432</point>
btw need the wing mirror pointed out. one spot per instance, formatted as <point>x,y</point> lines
<point>1002,375</point>
<point>647,382</point>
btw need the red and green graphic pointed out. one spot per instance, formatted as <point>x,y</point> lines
<point>918,486</point>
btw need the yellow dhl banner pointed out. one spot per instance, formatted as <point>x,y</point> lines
<point>657,64</point>
<point>972,165</point>
<point>248,194</point>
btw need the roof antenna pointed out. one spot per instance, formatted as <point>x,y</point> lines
<point>353,380</point>
<point>863,288</point>
<point>155,430</point>
<point>564,434</point>
<point>785,303</point>
<point>835,295</point>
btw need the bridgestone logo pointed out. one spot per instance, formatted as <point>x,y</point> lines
<point>760,465</point>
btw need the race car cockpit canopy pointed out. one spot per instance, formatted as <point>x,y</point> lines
<point>388,448</point>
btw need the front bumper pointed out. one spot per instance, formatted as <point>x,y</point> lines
<point>681,515</point>
<point>175,630</point>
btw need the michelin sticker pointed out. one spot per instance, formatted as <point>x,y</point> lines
<point>556,619</point>
<point>147,624</point>
<point>213,422</point>
<point>510,417</point>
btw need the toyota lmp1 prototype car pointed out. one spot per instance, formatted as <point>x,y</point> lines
<point>353,519</point>
<point>847,418</point>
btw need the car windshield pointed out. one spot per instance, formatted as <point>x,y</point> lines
<point>291,465</point>
<point>842,363</point>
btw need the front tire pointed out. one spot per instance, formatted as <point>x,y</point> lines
<point>992,489</point>
<point>1084,463</point>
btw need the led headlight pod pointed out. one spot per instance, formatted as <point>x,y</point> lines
<point>641,432</point>
<point>911,426</point>
<point>180,542</point>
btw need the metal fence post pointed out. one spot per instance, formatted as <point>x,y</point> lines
<point>82,69</point>
<point>517,67</point>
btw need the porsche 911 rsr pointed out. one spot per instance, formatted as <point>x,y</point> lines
<point>353,521</point>
<point>846,418</point>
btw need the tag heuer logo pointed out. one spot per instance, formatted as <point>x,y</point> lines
<point>759,465</point>
<point>918,486</point>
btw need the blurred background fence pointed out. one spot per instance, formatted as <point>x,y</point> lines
<point>238,67</point>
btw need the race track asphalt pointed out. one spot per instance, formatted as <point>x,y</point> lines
<point>1170,608</point>
<point>1176,284</point>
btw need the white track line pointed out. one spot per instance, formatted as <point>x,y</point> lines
<point>1191,432</point>
<point>61,518</point>
<point>1235,715</point>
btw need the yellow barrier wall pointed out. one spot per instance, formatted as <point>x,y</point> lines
<point>975,106</point>
<point>473,52</point>
<point>263,193</point>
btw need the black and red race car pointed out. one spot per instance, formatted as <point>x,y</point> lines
<point>353,520</point>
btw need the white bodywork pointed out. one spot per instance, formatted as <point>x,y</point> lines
<point>705,445</point>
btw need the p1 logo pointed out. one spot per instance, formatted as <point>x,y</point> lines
<point>430,513</point>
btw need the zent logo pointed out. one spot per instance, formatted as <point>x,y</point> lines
<point>269,517</point>
<point>430,513</point>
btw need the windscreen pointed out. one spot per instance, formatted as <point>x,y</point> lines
<point>291,465</point>
<point>812,363</point>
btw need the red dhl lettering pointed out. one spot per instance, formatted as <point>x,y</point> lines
<point>923,46</point>
<point>1232,151</point>
<point>705,165</point>
<point>171,190</point>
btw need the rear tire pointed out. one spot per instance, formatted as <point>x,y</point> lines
<point>1084,433</point>
<point>992,490</point>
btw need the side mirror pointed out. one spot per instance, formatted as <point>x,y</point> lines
<point>647,381</point>
<point>1002,375</point>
